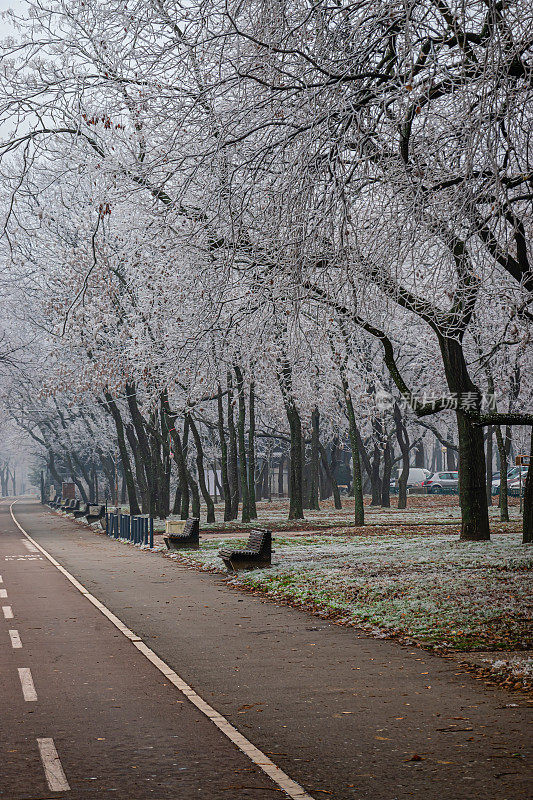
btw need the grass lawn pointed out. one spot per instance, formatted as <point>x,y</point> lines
<point>429,588</point>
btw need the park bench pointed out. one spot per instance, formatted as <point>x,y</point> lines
<point>55,502</point>
<point>95,513</point>
<point>73,506</point>
<point>81,511</point>
<point>257,553</point>
<point>188,540</point>
<point>64,505</point>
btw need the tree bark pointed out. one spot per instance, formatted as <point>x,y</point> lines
<point>314,464</point>
<point>503,498</point>
<point>387,471</point>
<point>139,468</point>
<point>113,409</point>
<point>329,469</point>
<point>251,453</point>
<point>488,465</point>
<point>179,457</point>
<point>241,420</point>
<point>226,490</point>
<point>359,509</point>
<point>296,510</point>
<point>420,455</point>
<point>208,500</point>
<point>527,527</point>
<point>281,473</point>
<point>233,468</point>
<point>195,497</point>
<point>472,483</point>
<point>144,445</point>
<point>375,480</point>
<point>403,441</point>
<point>75,479</point>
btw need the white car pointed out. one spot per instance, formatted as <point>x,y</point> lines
<point>416,477</point>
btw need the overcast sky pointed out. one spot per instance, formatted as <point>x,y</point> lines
<point>16,5</point>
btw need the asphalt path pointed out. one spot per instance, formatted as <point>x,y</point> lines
<point>345,715</point>
<point>84,714</point>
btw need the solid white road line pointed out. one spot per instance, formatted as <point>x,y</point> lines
<point>8,612</point>
<point>3,592</point>
<point>1,581</point>
<point>290,787</point>
<point>15,639</point>
<point>55,776</point>
<point>26,680</point>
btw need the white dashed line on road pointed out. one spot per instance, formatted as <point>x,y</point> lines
<point>8,612</point>
<point>26,681</point>
<point>30,546</point>
<point>55,776</point>
<point>15,639</point>
<point>3,592</point>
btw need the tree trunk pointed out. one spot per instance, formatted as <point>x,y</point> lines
<point>233,468</point>
<point>420,455</point>
<point>73,477</point>
<point>266,480</point>
<point>179,456</point>
<point>329,469</point>
<point>51,462</point>
<point>488,465</point>
<point>165,464</point>
<point>296,510</point>
<point>527,529</point>
<point>241,420</point>
<point>314,465</point>
<point>359,509</point>
<point>139,469</point>
<point>502,452</point>
<point>216,482</point>
<point>195,497</point>
<point>208,500</point>
<point>107,468</point>
<point>450,460</point>
<point>403,441</point>
<point>281,473</point>
<point>94,483</point>
<point>251,453</point>
<point>387,471</point>
<point>177,499</point>
<point>375,480</point>
<point>112,407</point>
<point>144,445</point>
<point>472,483</point>
<point>226,490</point>
<point>123,490</point>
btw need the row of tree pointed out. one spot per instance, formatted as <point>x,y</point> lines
<point>229,224</point>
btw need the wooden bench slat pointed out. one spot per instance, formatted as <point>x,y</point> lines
<point>257,551</point>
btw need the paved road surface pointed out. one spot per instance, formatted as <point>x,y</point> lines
<point>79,702</point>
<point>341,713</point>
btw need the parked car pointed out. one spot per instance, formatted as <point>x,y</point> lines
<point>442,483</point>
<point>416,477</point>
<point>516,484</point>
<point>512,474</point>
